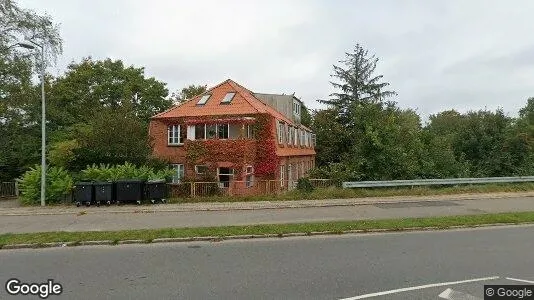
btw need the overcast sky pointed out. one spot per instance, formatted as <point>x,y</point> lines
<point>437,54</point>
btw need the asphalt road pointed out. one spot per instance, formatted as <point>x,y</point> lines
<point>334,267</point>
<point>102,220</point>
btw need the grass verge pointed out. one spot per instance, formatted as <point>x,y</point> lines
<point>148,235</point>
<point>339,193</point>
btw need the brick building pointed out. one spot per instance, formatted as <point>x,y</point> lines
<point>230,134</point>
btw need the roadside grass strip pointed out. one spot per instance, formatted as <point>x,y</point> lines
<point>62,238</point>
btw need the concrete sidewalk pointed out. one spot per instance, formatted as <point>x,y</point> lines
<point>35,219</point>
<point>225,206</point>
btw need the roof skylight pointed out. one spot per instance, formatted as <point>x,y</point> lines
<point>228,98</point>
<point>204,99</point>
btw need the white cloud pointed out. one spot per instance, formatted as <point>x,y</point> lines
<point>436,54</point>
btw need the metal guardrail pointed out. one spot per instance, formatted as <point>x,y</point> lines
<point>449,181</point>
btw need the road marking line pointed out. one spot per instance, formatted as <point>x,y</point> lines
<point>420,287</point>
<point>520,280</point>
<point>451,294</point>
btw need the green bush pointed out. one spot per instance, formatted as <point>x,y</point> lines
<point>58,185</point>
<point>304,185</point>
<point>106,172</point>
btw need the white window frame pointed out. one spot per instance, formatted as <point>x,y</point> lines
<point>227,131</point>
<point>250,129</point>
<point>289,134</point>
<point>295,137</point>
<point>196,169</point>
<point>179,172</point>
<point>249,171</point>
<point>206,132</point>
<point>191,132</point>
<point>203,125</point>
<point>222,183</point>
<point>280,132</point>
<point>282,174</point>
<point>296,108</point>
<point>174,135</point>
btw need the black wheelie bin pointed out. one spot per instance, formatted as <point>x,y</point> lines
<point>104,192</point>
<point>83,193</point>
<point>156,190</point>
<point>129,191</point>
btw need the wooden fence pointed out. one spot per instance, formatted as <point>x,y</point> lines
<point>238,188</point>
<point>8,189</point>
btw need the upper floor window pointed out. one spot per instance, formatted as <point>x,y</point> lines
<point>228,98</point>
<point>175,135</point>
<point>295,136</point>
<point>281,130</point>
<point>223,130</point>
<point>200,132</point>
<point>211,131</point>
<point>289,135</point>
<point>296,108</point>
<point>218,131</point>
<point>204,99</point>
<point>250,131</point>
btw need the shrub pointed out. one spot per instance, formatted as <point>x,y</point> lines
<point>337,172</point>
<point>304,185</point>
<point>105,172</point>
<point>58,185</point>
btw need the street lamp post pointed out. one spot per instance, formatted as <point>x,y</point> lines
<point>43,119</point>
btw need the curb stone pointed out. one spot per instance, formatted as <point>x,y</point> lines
<point>172,240</point>
<point>20,246</point>
<point>283,204</point>
<point>247,236</point>
<point>95,243</point>
<point>124,242</point>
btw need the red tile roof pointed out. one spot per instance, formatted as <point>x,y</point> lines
<point>243,103</point>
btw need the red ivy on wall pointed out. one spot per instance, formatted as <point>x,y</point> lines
<point>260,152</point>
<point>266,158</point>
<point>238,152</point>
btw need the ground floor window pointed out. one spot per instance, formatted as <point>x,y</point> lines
<point>225,175</point>
<point>178,172</point>
<point>201,169</point>
<point>290,172</point>
<point>282,173</point>
<point>249,176</point>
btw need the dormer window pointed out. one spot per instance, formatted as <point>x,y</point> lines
<point>296,108</point>
<point>204,99</point>
<point>228,98</point>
